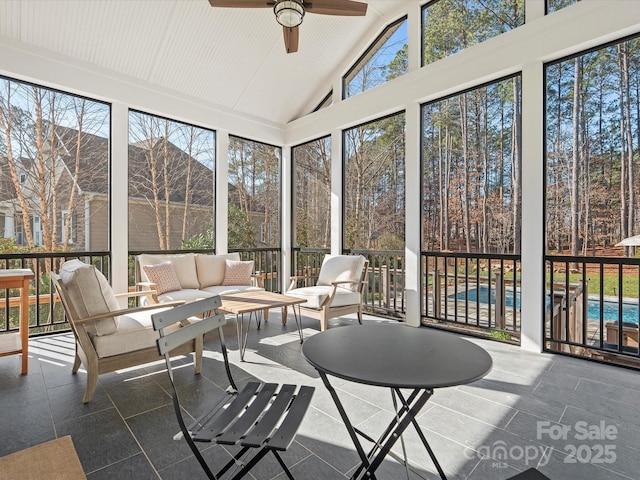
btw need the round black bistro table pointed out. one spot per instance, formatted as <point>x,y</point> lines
<point>398,357</point>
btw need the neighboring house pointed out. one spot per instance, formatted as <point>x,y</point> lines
<point>89,209</point>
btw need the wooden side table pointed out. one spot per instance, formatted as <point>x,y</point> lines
<point>12,343</point>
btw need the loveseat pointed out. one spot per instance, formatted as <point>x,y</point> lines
<point>188,276</point>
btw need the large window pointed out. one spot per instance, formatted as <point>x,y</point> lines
<point>385,59</point>
<point>450,26</point>
<point>471,170</point>
<point>54,169</point>
<point>312,194</point>
<point>254,194</point>
<point>171,184</point>
<point>374,185</point>
<point>592,135</point>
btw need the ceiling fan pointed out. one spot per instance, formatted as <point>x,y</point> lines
<point>289,13</point>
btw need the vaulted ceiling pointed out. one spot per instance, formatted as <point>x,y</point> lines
<point>234,58</point>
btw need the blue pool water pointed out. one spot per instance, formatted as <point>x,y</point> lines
<point>629,310</point>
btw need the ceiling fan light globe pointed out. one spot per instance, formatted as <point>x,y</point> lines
<point>289,13</point>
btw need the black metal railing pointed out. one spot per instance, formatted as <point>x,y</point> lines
<point>45,310</point>
<point>385,293</point>
<point>266,264</point>
<point>591,308</point>
<point>478,293</point>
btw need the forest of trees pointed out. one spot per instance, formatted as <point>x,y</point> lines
<point>312,194</point>
<point>471,170</point>
<point>254,194</point>
<point>592,138</point>
<point>374,185</point>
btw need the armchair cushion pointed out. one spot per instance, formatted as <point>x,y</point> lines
<point>211,268</point>
<point>164,276</point>
<point>336,268</point>
<point>317,295</point>
<point>183,263</point>
<point>135,332</point>
<point>90,294</point>
<point>238,273</point>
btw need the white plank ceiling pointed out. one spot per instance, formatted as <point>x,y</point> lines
<point>229,57</point>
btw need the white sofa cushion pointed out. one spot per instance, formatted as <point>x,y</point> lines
<point>183,263</point>
<point>211,268</point>
<point>90,294</point>
<point>317,295</point>
<point>135,332</point>
<point>223,289</point>
<point>338,268</point>
<point>186,295</point>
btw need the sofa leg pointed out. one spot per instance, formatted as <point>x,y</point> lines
<point>197,354</point>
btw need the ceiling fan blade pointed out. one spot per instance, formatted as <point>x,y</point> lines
<point>336,7</point>
<point>290,39</point>
<point>242,3</point>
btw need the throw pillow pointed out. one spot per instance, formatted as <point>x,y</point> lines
<point>164,276</point>
<point>237,273</point>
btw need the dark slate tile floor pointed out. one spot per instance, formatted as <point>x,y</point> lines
<point>511,420</point>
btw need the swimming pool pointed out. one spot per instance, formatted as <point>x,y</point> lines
<point>630,311</point>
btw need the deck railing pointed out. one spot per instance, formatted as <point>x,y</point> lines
<point>592,309</point>
<point>473,292</point>
<point>266,264</point>
<point>45,311</point>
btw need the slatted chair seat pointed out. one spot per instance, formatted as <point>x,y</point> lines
<point>262,417</point>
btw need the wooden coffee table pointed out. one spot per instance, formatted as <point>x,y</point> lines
<point>255,303</point>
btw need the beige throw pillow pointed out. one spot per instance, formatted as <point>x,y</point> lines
<point>164,276</point>
<point>90,294</point>
<point>238,273</point>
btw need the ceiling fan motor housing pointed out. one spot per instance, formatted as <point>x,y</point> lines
<point>289,13</point>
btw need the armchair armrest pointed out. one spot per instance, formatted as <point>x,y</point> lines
<point>149,290</point>
<point>295,278</point>
<point>124,311</point>
<point>139,293</point>
<point>145,286</point>
<point>258,279</point>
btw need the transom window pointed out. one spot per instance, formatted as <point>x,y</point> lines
<point>384,60</point>
<point>449,26</point>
